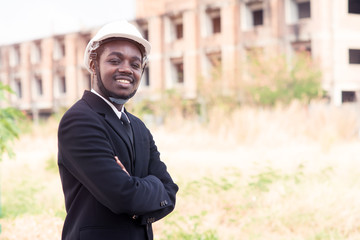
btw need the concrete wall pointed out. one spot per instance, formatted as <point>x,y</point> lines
<point>331,32</point>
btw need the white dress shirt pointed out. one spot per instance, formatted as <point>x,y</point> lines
<point>116,111</point>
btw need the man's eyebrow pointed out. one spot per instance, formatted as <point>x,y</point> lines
<point>119,54</point>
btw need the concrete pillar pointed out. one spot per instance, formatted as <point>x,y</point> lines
<point>156,70</point>
<point>228,49</point>
<point>70,74</point>
<point>191,69</point>
<point>26,100</point>
<point>47,70</point>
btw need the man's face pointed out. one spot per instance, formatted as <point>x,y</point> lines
<point>120,65</point>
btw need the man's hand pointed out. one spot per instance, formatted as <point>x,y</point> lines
<point>121,165</point>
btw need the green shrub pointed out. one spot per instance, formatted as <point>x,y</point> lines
<point>279,80</point>
<point>21,199</point>
<point>51,165</point>
<point>188,228</point>
<point>9,129</point>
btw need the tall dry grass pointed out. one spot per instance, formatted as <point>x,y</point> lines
<point>285,173</point>
<point>255,173</point>
<point>317,122</point>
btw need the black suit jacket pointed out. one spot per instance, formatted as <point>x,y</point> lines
<point>102,201</point>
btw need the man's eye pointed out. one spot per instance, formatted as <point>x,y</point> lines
<point>136,66</point>
<point>114,61</point>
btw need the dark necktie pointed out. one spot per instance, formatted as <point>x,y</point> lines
<point>127,127</point>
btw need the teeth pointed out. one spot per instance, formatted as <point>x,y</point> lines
<point>123,81</point>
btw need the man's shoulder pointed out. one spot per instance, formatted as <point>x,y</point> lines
<point>80,108</point>
<point>84,104</point>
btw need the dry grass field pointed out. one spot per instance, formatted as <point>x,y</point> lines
<point>288,173</point>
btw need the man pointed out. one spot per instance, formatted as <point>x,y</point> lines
<point>114,183</point>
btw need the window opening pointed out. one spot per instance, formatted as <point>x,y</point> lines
<point>59,49</point>
<point>14,56</point>
<point>354,6</point>
<point>354,56</point>
<point>179,30</point>
<point>304,10</point>
<point>39,85</point>
<point>216,23</point>
<point>147,77</point>
<point>36,53</point>
<point>214,17</point>
<point>63,84</point>
<point>258,17</point>
<point>348,96</point>
<point>18,87</point>
<point>179,72</point>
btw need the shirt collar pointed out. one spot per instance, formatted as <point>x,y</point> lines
<point>116,111</point>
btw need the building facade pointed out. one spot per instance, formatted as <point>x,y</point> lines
<point>45,74</point>
<point>189,38</point>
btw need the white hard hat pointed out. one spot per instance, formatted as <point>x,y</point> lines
<point>120,29</point>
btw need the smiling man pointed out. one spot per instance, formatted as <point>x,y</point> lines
<point>114,183</point>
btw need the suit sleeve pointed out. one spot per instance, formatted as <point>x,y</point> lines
<point>158,169</point>
<point>85,151</point>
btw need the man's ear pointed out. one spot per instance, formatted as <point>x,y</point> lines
<point>92,67</point>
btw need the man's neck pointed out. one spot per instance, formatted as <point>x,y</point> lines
<point>119,107</point>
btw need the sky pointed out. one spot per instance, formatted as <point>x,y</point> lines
<point>23,20</point>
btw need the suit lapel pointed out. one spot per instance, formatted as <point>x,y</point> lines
<point>102,108</point>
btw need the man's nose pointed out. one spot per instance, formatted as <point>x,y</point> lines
<point>125,68</point>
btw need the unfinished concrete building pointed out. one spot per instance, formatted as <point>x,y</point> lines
<point>189,38</point>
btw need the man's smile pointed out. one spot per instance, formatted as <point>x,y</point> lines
<point>123,81</point>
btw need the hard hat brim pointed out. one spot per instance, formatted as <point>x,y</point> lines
<point>134,35</point>
<point>141,41</point>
